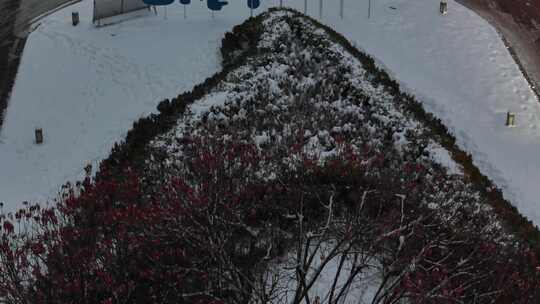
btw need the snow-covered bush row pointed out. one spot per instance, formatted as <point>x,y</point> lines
<point>304,96</point>
<point>224,235</point>
<point>306,106</point>
<point>291,175</point>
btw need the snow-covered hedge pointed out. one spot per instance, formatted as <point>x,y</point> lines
<point>301,153</point>
<point>519,224</point>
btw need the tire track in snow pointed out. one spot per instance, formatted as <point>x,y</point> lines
<point>109,62</point>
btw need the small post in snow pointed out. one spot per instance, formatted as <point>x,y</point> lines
<point>320,8</point>
<point>185,12</point>
<point>39,135</point>
<point>369,9</point>
<point>305,7</point>
<point>443,7</point>
<point>88,170</point>
<point>510,119</point>
<point>280,3</point>
<point>341,9</point>
<point>75,18</point>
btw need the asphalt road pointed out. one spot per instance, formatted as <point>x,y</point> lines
<point>15,15</point>
<point>30,9</point>
<point>518,21</point>
<point>15,18</point>
<point>8,9</point>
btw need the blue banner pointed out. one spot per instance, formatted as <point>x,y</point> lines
<point>253,4</point>
<point>158,2</point>
<point>216,5</point>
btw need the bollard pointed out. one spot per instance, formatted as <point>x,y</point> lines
<point>444,7</point>
<point>75,18</point>
<point>510,119</point>
<point>88,170</point>
<point>39,135</point>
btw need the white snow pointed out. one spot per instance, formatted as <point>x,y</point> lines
<point>362,290</point>
<point>443,157</point>
<point>85,86</point>
<point>209,101</point>
<point>460,69</point>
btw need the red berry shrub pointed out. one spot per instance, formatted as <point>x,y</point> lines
<point>240,200</point>
<point>207,236</point>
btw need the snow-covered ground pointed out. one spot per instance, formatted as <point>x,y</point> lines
<point>362,290</point>
<point>460,70</point>
<point>85,86</point>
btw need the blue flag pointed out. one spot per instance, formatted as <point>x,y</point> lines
<point>216,5</point>
<point>158,2</point>
<point>253,3</point>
